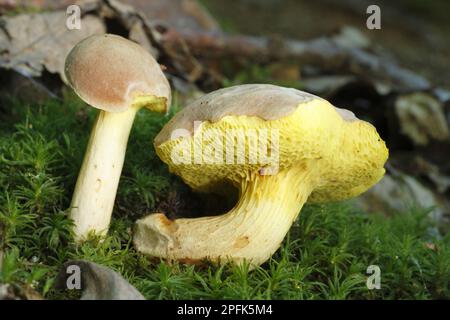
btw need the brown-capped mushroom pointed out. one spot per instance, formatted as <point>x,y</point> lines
<point>118,77</point>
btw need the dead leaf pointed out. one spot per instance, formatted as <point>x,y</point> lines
<point>28,50</point>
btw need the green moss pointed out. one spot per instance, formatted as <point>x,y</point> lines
<point>325,255</point>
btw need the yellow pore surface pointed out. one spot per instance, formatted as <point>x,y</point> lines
<point>153,103</point>
<point>340,158</point>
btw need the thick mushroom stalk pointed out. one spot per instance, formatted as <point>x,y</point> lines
<point>252,231</point>
<point>118,77</point>
<point>280,147</point>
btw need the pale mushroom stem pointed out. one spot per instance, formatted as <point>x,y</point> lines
<point>96,187</point>
<point>253,230</point>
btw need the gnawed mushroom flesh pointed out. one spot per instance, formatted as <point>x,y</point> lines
<point>317,153</point>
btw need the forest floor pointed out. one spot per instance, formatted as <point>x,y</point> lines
<point>328,250</point>
<point>325,256</point>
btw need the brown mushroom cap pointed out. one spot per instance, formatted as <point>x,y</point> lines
<point>109,72</point>
<point>265,101</point>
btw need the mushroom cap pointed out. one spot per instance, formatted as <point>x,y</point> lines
<point>112,73</point>
<point>344,155</point>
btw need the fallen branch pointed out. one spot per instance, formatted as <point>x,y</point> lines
<point>322,51</point>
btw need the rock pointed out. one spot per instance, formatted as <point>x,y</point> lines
<point>98,282</point>
<point>398,193</point>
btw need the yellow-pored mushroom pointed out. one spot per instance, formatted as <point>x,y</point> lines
<point>309,150</point>
<point>118,77</point>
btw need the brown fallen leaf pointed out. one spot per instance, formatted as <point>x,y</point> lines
<point>30,50</point>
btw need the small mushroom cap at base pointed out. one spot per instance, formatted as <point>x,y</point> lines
<point>112,73</point>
